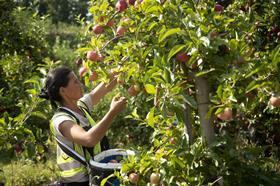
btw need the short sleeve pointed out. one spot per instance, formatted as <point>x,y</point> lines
<point>87,100</point>
<point>57,120</point>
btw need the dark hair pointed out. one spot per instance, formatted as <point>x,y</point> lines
<point>56,78</point>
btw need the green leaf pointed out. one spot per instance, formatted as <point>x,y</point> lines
<point>170,32</point>
<point>275,56</point>
<point>205,72</point>
<point>254,85</point>
<point>33,80</point>
<point>179,162</point>
<point>220,91</point>
<point>175,50</point>
<point>103,182</point>
<point>39,114</point>
<point>190,101</point>
<point>150,89</point>
<point>134,113</point>
<point>27,131</point>
<point>31,91</point>
<point>167,75</point>
<point>150,117</point>
<point>219,110</point>
<point>205,41</point>
<point>253,72</point>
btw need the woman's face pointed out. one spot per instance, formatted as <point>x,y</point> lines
<point>74,89</point>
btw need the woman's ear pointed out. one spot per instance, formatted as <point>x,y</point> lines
<point>62,91</point>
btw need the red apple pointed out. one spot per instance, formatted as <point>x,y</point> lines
<point>133,90</point>
<point>120,80</point>
<point>110,23</point>
<point>155,178</point>
<point>218,8</point>
<point>213,35</point>
<point>82,71</point>
<point>93,76</point>
<point>133,178</point>
<point>121,5</point>
<point>17,148</point>
<point>120,31</point>
<point>131,2</point>
<point>182,57</point>
<point>194,65</point>
<point>172,141</point>
<point>78,62</point>
<point>113,161</point>
<point>100,57</point>
<point>274,101</point>
<point>94,56</point>
<point>226,115</point>
<point>98,29</point>
<point>101,19</point>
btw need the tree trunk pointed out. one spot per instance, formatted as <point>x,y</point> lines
<point>202,96</point>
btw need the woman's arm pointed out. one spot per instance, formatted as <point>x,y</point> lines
<point>101,90</point>
<point>77,134</point>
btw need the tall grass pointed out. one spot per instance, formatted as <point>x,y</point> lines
<point>27,173</point>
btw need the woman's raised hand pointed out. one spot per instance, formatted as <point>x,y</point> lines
<point>118,104</point>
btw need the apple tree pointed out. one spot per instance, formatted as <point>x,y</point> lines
<point>188,70</point>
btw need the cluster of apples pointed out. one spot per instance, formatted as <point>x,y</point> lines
<point>96,56</point>
<point>154,178</point>
<point>121,6</point>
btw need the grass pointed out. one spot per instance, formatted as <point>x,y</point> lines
<point>24,172</point>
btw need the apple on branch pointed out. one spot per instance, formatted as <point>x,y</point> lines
<point>98,29</point>
<point>275,101</point>
<point>110,23</point>
<point>155,178</point>
<point>218,8</point>
<point>82,71</point>
<point>182,57</point>
<point>131,2</point>
<point>94,56</point>
<point>226,115</point>
<point>79,61</point>
<point>133,90</point>
<point>120,31</point>
<point>93,76</point>
<point>133,178</point>
<point>121,5</point>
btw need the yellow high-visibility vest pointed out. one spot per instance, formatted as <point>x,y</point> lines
<point>72,170</point>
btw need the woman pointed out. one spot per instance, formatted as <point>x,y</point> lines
<point>64,90</point>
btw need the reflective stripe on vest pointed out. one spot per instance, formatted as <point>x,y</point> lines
<point>74,173</point>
